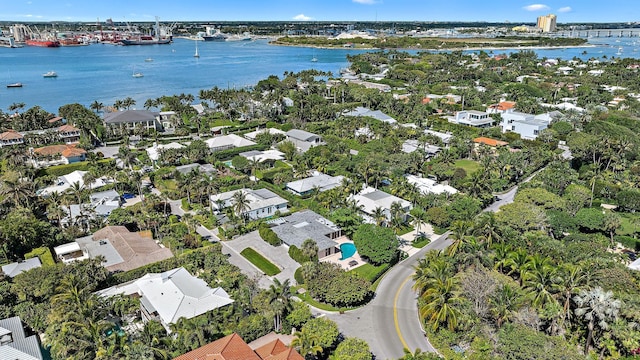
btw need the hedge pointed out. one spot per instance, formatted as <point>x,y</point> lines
<point>297,255</point>
<point>269,236</point>
<point>43,253</point>
<point>629,242</point>
<point>297,275</point>
<point>65,169</point>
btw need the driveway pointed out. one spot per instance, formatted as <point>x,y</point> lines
<point>276,254</point>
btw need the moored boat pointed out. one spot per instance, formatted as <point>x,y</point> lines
<point>14,85</point>
<point>137,75</point>
<point>43,43</point>
<point>145,40</point>
<point>50,74</point>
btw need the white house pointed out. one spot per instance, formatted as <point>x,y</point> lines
<point>16,268</point>
<point>65,182</point>
<point>375,114</point>
<point>262,156</point>
<point>155,151</point>
<point>429,186</point>
<point>11,137</point>
<point>472,118</point>
<point>528,126</point>
<point>369,199</point>
<point>317,180</point>
<point>273,131</point>
<point>303,140</point>
<point>445,137</point>
<point>226,142</point>
<point>413,145</point>
<point>262,203</point>
<point>171,295</point>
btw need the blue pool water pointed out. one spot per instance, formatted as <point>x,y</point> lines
<point>347,249</point>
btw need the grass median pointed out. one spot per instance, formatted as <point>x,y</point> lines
<point>260,262</point>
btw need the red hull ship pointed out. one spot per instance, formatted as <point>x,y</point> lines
<point>43,43</point>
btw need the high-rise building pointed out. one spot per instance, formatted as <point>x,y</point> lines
<point>547,23</point>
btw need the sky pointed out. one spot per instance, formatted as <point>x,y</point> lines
<point>514,11</point>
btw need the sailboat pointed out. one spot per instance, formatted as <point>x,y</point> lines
<point>314,58</point>
<point>619,51</point>
<point>197,54</point>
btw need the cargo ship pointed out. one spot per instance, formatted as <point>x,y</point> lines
<point>145,40</point>
<point>43,43</point>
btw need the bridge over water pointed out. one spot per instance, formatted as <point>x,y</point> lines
<point>599,33</point>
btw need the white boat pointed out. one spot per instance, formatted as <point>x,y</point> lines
<point>148,60</point>
<point>50,74</point>
<point>619,51</point>
<point>137,75</point>
<point>197,54</point>
<point>14,85</point>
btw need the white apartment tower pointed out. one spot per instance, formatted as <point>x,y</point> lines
<point>547,23</point>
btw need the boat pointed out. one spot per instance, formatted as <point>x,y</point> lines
<point>212,34</point>
<point>137,75</point>
<point>50,74</point>
<point>14,85</point>
<point>148,60</point>
<point>246,36</point>
<point>619,51</point>
<point>8,41</point>
<point>196,55</point>
<point>43,43</point>
<point>145,40</point>
<point>314,58</point>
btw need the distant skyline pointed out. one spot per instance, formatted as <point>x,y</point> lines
<point>514,11</point>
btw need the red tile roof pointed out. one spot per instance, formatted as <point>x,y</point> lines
<point>232,347</point>
<point>504,105</point>
<point>64,150</point>
<point>489,141</point>
<point>11,135</point>
<point>57,118</point>
<point>67,128</point>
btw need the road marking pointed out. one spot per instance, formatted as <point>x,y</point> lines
<point>395,313</point>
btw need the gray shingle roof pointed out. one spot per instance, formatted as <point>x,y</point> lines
<point>129,116</point>
<point>16,268</point>
<point>306,225</point>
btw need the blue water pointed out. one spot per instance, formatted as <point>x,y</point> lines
<point>347,249</point>
<point>104,72</point>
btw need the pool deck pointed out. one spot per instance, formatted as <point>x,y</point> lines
<point>335,258</point>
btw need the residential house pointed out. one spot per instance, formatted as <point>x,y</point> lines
<point>14,344</point>
<point>448,98</point>
<point>65,182</point>
<point>445,137</point>
<point>100,206</point>
<point>206,169</point>
<point>369,199</point>
<point>317,181</point>
<point>294,229</point>
<point>262,203</point>
<point>10,138</point>
<point>122,250</point>
<point>125,121</point>
<point>69,134</point>
<point>472,118</point>
<point>528,126</point>
<point>371,85</point>
<point>156,150</point>
<point>167,119</point>
<point>171,295</point>
<point>16,268</point>
<point>489,142</point>
<point>254,134</point>
<point>57,155</point>
<point>413,145</point>
<point>375,114</point>
<point>501,107</point>
<point>226,142</point>
<point>266,156</point>
<point>429,186</point>
<point>233,347</point>
<point>303,140</point>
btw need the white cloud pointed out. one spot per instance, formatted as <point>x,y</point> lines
<point>536,7</point>
<point>302,17</point>
<point>565,9</point>
<point>366,2</point>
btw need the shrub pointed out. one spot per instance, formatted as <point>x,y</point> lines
<point>43,253</point>
<point>269,236</point>
<point>185,204</point>
<point>627,241</point>
<point>296,254</point>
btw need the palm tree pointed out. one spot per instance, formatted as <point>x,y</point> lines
<point>96,106</point>
<point>572,278</point>
<point>128,102</point>
<point>77,190</point>
<point>517,262</point>
<point>540,280</point>
<point>279,295</point>
<point>460,230</point>
<point>240,203</point>
<point>15,190</point>
<point>487,228</point>
<point>505,302</point>
<point>307,343</point>
<point>379,216</point>
<point>598,308</point>
<point>439,304</point>
<point>310,249</point>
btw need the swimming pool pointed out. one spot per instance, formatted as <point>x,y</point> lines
<point>347,249</point>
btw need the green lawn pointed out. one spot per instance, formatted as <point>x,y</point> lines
<point>369,271</point>
<point>260,262</point>
<point>422,243</point>
<point>166,185</point>
<point>311,301</point>
<point>629,224</point>
<point>468,165</point>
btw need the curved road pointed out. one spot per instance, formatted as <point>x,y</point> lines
<point>389,323</point>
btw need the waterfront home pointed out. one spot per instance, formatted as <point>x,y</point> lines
<point>18,267</point>
<point>156,150</point>
<point>303,140</point>
<point>57,155</point>
<point>370,199</point>
<point>226,142</point>
<point>167,119</point>
<point>11,138</point>
<point>429,186</point>
<point>122,250</point>
<point>473,118</point>
<point>254,134</point>
<point>375,114</point>
<point>100,206</point>
<point>262,203</point>
<point>233,347</point>
<point>294,229</point>
<point>317,181</point>
<point>69,134</point>
<point>122,122</point>
<point>171,295</point>
<point>14,344</point>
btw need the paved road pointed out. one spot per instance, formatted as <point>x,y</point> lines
<point>390,322</point>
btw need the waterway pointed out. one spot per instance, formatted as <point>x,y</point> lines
<point>104,72</point>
